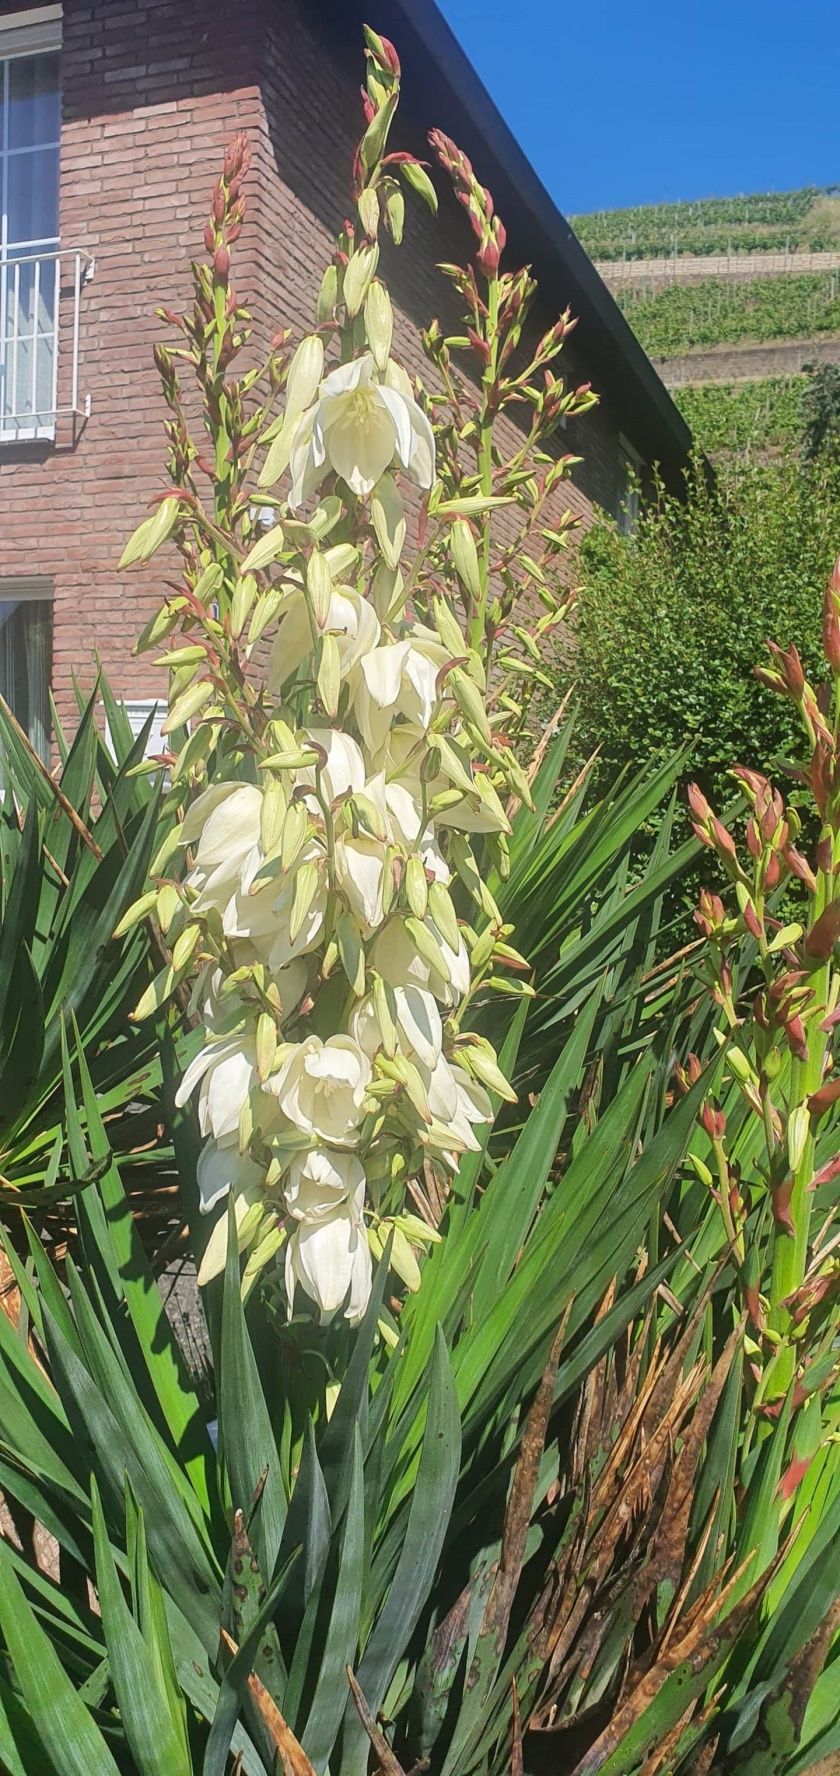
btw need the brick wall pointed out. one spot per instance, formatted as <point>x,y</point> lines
<point>152,90</point>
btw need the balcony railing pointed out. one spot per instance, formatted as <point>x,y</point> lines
<point>40,310</point>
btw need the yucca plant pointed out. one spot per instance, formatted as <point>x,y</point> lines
<point>76,844</point>
<point>507,1518</point>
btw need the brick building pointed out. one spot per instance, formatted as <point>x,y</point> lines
<point>113,117</point>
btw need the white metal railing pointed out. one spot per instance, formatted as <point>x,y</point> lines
<point>35,286</point>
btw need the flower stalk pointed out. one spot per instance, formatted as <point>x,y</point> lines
<point>338,768</point>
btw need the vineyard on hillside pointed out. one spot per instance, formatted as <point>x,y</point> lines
<point>808,219</point>
<point>746,415</point>
<point>713,311</point>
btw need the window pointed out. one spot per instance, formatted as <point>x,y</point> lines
<point>30,121</point>
<point>629,486</point>
<point>138,710</point>
<point>26,655</point>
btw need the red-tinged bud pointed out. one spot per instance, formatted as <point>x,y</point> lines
<point>755,1310</point>
<point>826,1173</point>
<point>713,1121</point>
<point>769,822</point>
<point>780,1198</point>
<point>237,156</point>
<point>479,345</point>
<point>723,840</point>
<point>797,1039</point>
<point>209,237</point>
<point>490,252</point>
<point>822,1100</point>
<point>368,107</point>
<point>831,638</point>
<point>697,803</point>
<point>816,719</point>
<point>752,782</point>
<point>710,914</point>
<point>789,668</point>
<point>820,940</point>
<point>753,838</point>
<point>772,872</point>
<point>382,52</point>
<point>799,866</point>
<point>824,856</point>
<point>205,467</point>
<point>221,264</point>
<point>689,1074</point>
<point>752,920</point>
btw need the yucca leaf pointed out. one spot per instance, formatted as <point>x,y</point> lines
<point>72,1742</point>
<point>335,1448</point>
<point>246,1437</point>
<point>112,1453</point>
<point>115,1242</point>
<point>428,1520</point>
<point>157,1741</point>
<point>232,1689</point>
<point>337,1649</point>
<point>17,1735</point>
<point>307,1527</point>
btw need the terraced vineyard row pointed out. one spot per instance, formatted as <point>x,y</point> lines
<point>712,311</point>
<point>767,221</point>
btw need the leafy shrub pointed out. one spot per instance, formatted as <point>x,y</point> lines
<point>715,311</point>
<point>744,415</point>
<point>821,411</point>
<point>672,621</point>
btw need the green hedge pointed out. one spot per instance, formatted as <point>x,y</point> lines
<point>763,221</point>
<point>741,415</point>
<point>672,621</point>
<point>714,311</point>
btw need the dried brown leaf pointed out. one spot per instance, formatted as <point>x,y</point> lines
<point>293,1758</point>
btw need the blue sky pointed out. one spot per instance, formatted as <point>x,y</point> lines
<point>617,103</point>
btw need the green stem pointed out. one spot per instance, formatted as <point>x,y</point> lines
<point>478,626</point>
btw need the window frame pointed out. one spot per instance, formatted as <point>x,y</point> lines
<point>24,35</point>
<point>24,589</point>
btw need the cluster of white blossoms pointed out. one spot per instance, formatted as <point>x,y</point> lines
<point>333,965</point>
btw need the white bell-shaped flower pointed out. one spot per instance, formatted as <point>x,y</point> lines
<point>351,619</point>
<point>318,1181</point>
<point>457,1104</point>
<point>342,771</point>
<point>222,1168</point>
<point>398,961</point>
<point>398,678</point>
<point>357,427</point>
<point>263,915</point>
<point>321,1088</point>
<point>225,822</point>
<point>330,1259</point>
<point>225,1072</point>
<point>416,1020</point>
